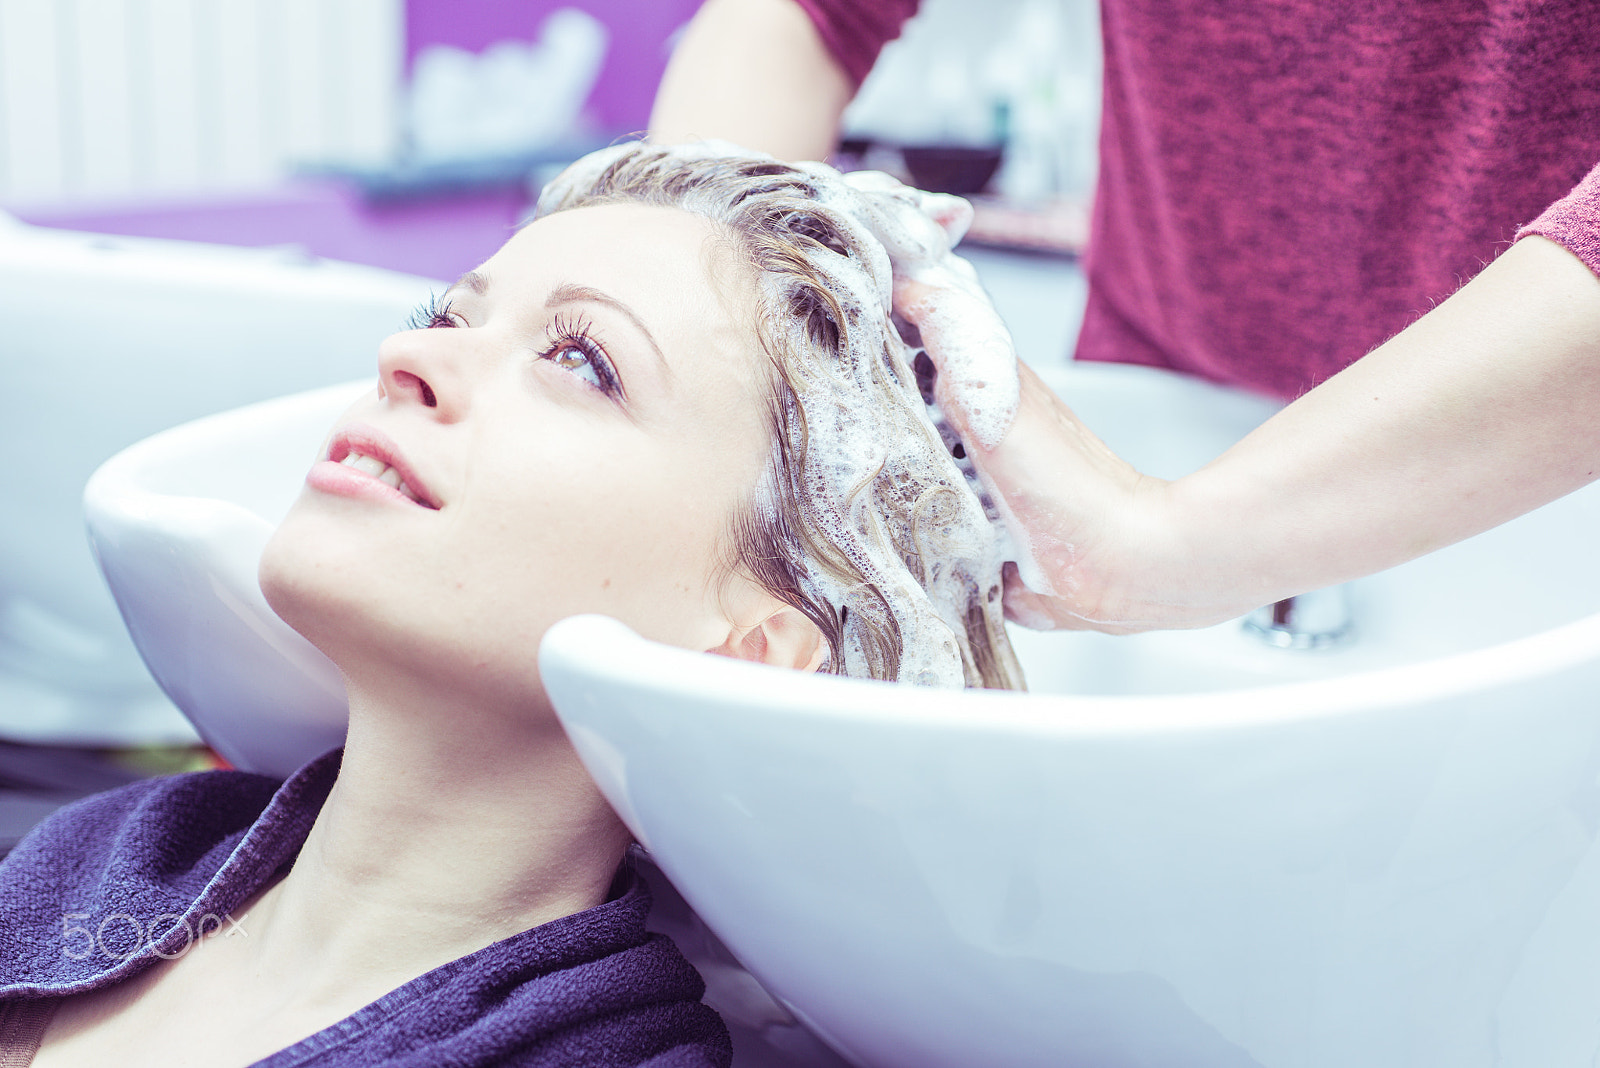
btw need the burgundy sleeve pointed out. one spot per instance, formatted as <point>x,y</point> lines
<point>855,31</point>
<point>1574,221</point>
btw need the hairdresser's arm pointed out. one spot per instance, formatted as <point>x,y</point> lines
<point>1487,407</point>
<point>756,73</point>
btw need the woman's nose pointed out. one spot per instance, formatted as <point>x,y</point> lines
<point>427,368</point>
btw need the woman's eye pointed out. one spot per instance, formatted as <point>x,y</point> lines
<point>574,350</point>
<point>579,363</point>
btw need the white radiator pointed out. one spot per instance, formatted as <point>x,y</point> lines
<point>104,98</point>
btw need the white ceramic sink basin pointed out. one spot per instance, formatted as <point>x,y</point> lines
<point>177,523</point>
<point>1183,849</point>
<point>1373,871</point>
<point>108,340</point>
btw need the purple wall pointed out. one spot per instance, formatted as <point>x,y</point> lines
<point>634,63</point>
<point>438,238</point>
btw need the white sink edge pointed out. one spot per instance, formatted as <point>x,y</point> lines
<point>590,644</point>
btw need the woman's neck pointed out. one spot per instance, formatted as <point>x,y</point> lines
<point>449,828</point>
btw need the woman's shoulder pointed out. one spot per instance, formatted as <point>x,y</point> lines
<point>196,807</point>
<point>153,844</point>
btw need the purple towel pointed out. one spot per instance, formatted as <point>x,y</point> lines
<point>103,886</point>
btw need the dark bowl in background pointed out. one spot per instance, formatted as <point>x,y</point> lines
<point>949,168</point>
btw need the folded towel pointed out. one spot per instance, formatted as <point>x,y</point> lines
<point>103,888</point>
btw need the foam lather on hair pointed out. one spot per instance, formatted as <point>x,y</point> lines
<point>901,538</point>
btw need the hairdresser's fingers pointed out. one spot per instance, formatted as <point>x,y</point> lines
<point>1075,511</point>
<point>1032,610</point>
<point>952,213</point>
<point>1073,504</point>
<point>968,344</point>
<point>1038,611</point>
<point>916,295</point>
<point>891,211</point>
<point>952,317</point>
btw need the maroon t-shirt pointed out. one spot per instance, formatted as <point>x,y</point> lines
<point>1284,184</point>
<point>1574,221</point>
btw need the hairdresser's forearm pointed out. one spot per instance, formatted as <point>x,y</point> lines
<point>756,73</point>
<point>1487,407</point>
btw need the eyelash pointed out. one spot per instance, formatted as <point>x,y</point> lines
<point>564,335</point>
<point>431,314</point>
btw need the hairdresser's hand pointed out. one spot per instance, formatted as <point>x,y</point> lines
<point>1092,520</point>
<point>1103,550</point>
<point>1479,411</point>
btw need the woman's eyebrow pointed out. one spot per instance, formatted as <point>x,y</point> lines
<point>478,283</point>
<point>568,293</point>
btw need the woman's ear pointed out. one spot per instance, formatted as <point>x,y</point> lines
<point>785,638</point>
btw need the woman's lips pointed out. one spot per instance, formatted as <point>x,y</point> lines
<point>364,462</point>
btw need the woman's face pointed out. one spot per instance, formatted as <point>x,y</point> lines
<point>574,431</point>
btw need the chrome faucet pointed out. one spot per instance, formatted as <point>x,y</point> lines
<point>1316,620</point>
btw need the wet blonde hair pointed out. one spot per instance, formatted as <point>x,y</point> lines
<point>862,521</point>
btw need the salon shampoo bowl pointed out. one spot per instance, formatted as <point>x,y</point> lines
<point>177,523</point>
<point>1385,872</point>
<point>1183,850</point>
<point>107,341</point>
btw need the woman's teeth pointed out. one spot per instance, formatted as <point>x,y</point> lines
<point>381,471</point>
